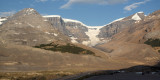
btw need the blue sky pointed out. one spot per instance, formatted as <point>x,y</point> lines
<point>90,12</point>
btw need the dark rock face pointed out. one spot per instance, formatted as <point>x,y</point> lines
<point>68,27</point>
<point>58,23</point>
<point>77,30</point>
<point>114,28</point>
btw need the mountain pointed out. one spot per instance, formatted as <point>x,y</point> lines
<point>28,27</point>
<point>132,42</point>
<point>76,30</point>
<point>120,33</point>
<point>30,42</point>
<point>92,35</point>
<point>120,24</point>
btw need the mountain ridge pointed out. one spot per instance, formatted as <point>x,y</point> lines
<point>88,38</point>
<point>81,33</point>
<point>26,36</point>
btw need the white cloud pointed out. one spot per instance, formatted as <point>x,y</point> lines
<point>135,5</point>
<point>55,0</point>
<point>99,2</point>
<point>5,14</point>
<point>41,0</point>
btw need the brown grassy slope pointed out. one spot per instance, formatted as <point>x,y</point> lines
<point>24,58</point>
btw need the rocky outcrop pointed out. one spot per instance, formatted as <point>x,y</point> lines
<point>77,30</point>
<point>57,22</point>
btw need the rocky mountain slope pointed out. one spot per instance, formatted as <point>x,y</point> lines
<point>120,24</point>
<point>28,27</point>
<point>129,43</point>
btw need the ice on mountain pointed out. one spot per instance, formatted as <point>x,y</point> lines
<point>52,16</point>
<point>73,39</point>
<point>47,33</point>
<point>2,20</point>
<point>34,40</point>
<point>71,20</point>
<point>92,34</point>
<point>29,11</point>
<point>30,25</point>
<point>136,17</point>
<point>55,34</point>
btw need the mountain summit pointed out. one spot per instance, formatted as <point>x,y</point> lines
<point>28,27</point>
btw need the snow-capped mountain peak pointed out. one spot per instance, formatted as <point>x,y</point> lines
<point>136,17</point>
<point>29,11</point>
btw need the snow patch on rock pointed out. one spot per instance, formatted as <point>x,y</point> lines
<point>73,39</point>
<point>86,43</point>
<point>47,33</point>
<point>55,34</point>
<point>29,11</point>
<point>30,25</point>
<point>35,40</point>
<point>1,23</point>
<point>71,20</point>
<point>116,20</point>
<point>136,17</point>
<point>45,20</point>
<point>18,23</point>
<point>2,20</point>
<point>52,16</point>
<point>16,33</point>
